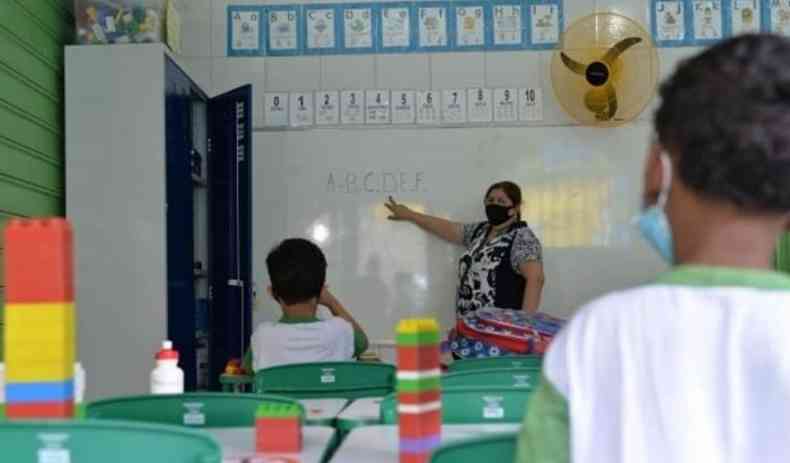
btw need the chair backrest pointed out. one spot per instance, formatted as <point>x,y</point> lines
<point>92,441</point>
<point>210,410</point>
<point>470,405</point>
<point>525,379</point>
<point>494,448</point>
<point>348,380</point>
<point>516,361</point>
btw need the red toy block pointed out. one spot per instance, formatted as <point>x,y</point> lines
<point>412,425</point>
<point>419,398</point>
<point>418,357</point>
<point>29,410</point>
<point>39,261</point>
<point>278,435</point>
<point>414,457</point>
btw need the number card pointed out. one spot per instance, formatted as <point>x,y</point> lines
<point>470,26</point>
<point>669,22</point>
<point>275,109</point>
<point>327,108</point>
<point>301,109</point>
<point>352,107</point>
<point>507,24</point>
<point>454,106</point>
<point>283,31</point>
<point>427,107</point>
<point>505,105</point>
<point>746,16</point>
<point>530,104</point>
<point>479,104</point>
<point>433,27</point>
<point>403,111</point>
<point>377,106</point>
<point>358,28</point>
<point>245,31</point>
<point>708,20</point>
<point>321,34</point>
<point>545,22</point>
<point>780,16</point>
<point>395,27</point>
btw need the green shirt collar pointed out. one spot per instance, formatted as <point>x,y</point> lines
<point>298,319</point>
<point>698,275</point>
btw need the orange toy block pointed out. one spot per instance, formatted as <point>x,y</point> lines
<point>39,261</point>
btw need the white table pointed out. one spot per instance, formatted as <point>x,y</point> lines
<point>238,445</point>
<point>322,411</point>
<point>360,412</point>
<point>379,443</point>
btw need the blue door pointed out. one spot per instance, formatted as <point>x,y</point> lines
<point>230,212</point>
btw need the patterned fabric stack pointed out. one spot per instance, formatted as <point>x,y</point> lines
<point>493,332</point>
<point>278,428</point>
<point>39,319</point>
<point>419,393</point>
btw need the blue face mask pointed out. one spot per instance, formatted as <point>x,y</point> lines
<point>653,222</point>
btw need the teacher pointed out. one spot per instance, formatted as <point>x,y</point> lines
<point>503,263</point>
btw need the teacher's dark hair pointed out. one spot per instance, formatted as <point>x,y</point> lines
<point>297,269</point>
<point>725,118</point>
<point>511,190</point>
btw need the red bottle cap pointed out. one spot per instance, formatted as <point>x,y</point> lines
<point>167,352</point>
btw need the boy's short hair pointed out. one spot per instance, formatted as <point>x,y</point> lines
<point>725,116</point>
<point>297,270</point>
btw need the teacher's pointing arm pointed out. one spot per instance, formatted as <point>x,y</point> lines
<point>446,229</point>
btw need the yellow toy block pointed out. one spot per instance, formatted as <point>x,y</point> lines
<point>42,352</point>
<point>38,372</point>
<point>46,323</point>
<point>417,325</point>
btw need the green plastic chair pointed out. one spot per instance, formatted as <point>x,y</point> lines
<point>498,447</point>
<point>92,441</point>
<point>345,380</point>
<point>210,410</point>
<point>466,405</point>
<point>516,361</point>
<point>236,383</point>
<point>517,378</point>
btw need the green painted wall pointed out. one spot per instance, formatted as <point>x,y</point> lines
<point>32,36</point>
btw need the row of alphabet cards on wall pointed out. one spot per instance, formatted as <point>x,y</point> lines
<point>379,107</point>
<point>397,27</point>
<point>703,22</point>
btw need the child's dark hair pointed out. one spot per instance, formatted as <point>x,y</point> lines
<point>725,116</point>
<point>297,270</point>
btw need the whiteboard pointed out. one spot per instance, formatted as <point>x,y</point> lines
<point>582,188</point>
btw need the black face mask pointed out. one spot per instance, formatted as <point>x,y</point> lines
<point>497,215</point>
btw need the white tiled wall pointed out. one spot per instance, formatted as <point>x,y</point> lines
<point>205,36</point>
<point>205,46</point>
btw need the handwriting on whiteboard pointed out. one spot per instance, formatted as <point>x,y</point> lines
<point>375,181</point>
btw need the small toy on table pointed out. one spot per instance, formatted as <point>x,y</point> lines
<point>278,428</point>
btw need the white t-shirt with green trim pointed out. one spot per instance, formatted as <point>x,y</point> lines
<point>277,343</point>
<point>695,368</point>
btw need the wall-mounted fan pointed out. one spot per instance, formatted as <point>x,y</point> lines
<point>606,70</point>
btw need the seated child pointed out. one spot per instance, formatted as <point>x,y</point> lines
<point>297,270</point>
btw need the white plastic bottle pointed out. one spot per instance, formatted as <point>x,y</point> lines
<point>79,383</point>
<point>167,378</point>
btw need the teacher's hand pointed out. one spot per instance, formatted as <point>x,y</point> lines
<point>398,211</point>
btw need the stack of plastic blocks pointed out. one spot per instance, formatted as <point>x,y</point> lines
<point>39,319</point>
<point>418,388</point>
<point>278,428</point>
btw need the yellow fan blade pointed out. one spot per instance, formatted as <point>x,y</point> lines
<point>618,49</point>
<point>574,66</point>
